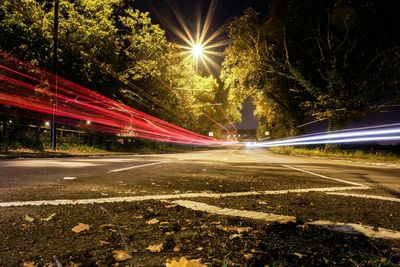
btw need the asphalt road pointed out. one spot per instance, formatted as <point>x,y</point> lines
<point>198,204</point>
<point>233,169</point>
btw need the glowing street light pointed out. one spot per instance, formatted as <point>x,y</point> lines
<point>197,50</point>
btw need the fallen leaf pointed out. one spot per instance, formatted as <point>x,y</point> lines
<point>299,255</point>
<point>183,262</point>
<point>49,218</point>
<point>171,206</point>
<point>30,264</point>
<point>164,223</point>
<point>248,256</point>
<point>28,218</point>
<point>234,236</point>
<point>121,255</point>
<point>104,243</point>
<point>138,217</point>
<point>176,249</point>
<point>262,203</point>
<point>155,248</point>
<point>204,226</point>
<point>80,228</point>
<point>169,233</point>
<point>152,221</point>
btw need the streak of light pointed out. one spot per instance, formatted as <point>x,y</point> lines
<point>78,106</point>
<point>358,135</point>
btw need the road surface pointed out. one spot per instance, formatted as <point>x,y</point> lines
<point>222,170</point>
<point>236,182</point>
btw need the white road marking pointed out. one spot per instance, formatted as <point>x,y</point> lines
<point>326,177</point>
<point>69,178</point>
<point>198,206</point>
<point>367,230</point>
<point>122,199</point>
<point>269,217</point>
<point>317,189</point>
<point>169,196</point>
<point>137,166</point>
<point>393,199</point>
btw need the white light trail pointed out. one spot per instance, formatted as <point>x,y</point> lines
<point>368,134</point>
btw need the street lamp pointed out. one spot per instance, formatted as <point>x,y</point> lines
<point>197,50</point>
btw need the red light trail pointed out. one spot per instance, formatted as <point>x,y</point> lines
<point>30,88</point>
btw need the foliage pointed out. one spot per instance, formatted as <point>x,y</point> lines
<point>115,49</point>
<point>329,60</point>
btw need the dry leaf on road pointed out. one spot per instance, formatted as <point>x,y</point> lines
<point>80,228</point>
<point>183,262</point>
<point>30,264</point>
<point>28,218</point>
<point>152,221</point>
<point>49,218</point>
<point>121,255</point>
<point>155,248</point>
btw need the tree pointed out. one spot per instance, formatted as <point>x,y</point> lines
<point>247,72</point>
<point>326,60</point>
<point>114,50</point>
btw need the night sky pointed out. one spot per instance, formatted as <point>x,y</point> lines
<point>161,13</point>
<point>160,10</point>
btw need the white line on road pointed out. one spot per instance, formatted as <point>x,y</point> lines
<point>326,177</point>
<point>374,232</point>
<point>170,196</point>
<point>393,199</point>
<point>137,166</point>
<point>69,178</point>
<point>269,217</point>
<point>234,212</point>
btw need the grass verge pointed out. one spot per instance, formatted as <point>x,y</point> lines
<point>338,153</point>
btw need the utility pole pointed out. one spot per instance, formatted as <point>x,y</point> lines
<point>55,60</point>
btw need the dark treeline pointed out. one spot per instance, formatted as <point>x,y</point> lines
<point>328,60</point>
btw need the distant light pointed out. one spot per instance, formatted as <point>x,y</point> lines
<point>88,122</point>
<point>210,134</point>
<point>197,50</point>
<point>10,121</point>
<point>47,123</point>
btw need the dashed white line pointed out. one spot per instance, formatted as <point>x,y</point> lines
<point>137,166</point>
